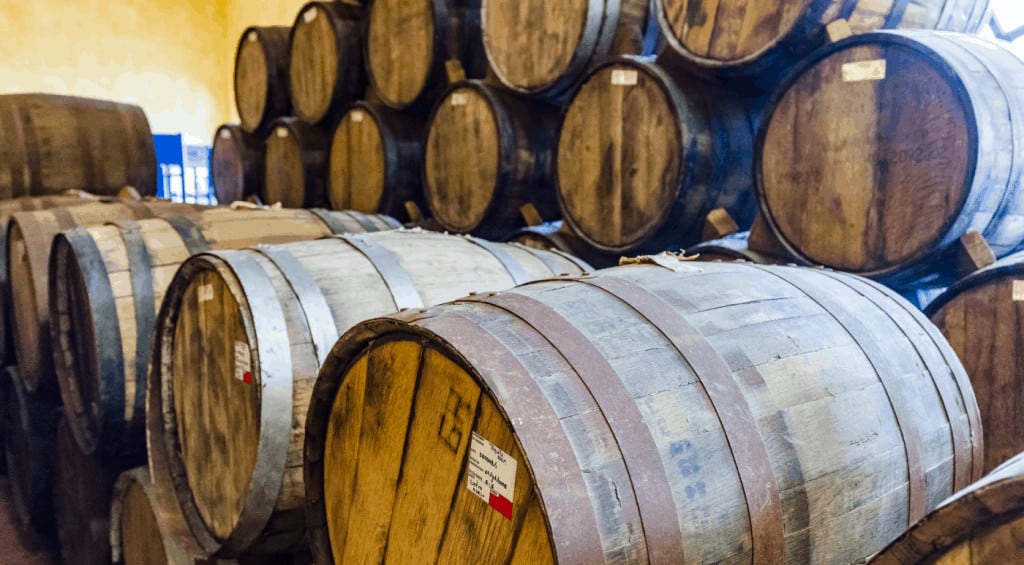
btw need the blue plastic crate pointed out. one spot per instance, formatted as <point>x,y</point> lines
<point>183,170</point>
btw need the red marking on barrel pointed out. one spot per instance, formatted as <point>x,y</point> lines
<point>501,504</point>
<point>247,377</point>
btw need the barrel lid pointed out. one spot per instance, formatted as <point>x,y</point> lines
<point>400,52</point>
<point>251,79</point>
<point>285,175</point>
<point>1006,268</point>
<point>357,166</point>
<point>620,158</point>
<point>852,175</point>
<point>226,165</point>
<point>314,61</point>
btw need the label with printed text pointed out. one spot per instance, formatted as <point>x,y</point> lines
<point>243,362</point>
<point>864,71</point>
<point>622,77</point>
<point>460,99</point>
<point>491,475</point>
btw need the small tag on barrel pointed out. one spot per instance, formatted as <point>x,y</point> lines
<point>357,116</point>
<point>243,362</point>
<point>252,37</point>
<point>205,293</point>
<point>623,77</point>
<point>1018,291</point>
<point>282,132</point>
<point>225,134</point>
<point>309,15</point>
<point>460,99</point>
<point>864,71</point>
<point>491,475</point>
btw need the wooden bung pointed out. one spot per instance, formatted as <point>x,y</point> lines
<point>375,161</point>
<point>541,48</point>
<point>295,169</point>
<point>487,154</point>
<point>107,283</point>
<point>239,341</point>
<point>730,412</point>
<point>409,42</point>
<point>261,77</point>
<point>621,190</point>
<point>853,178</point>
<point>325,66</point>
<point>55,143</point>
<point>236,164</point>
<point>983,523</point>
<point>767,37</point>
<point>29,236</point>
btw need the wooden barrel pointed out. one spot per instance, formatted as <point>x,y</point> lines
<point>82,490</point>
<point>747,37</point>
<point>734,412</point>
<point>102,327</point>
<point>982,316</point>
<point>983,523</point>
<point>56,143</point>
<point>554,236</point>
<point>408,44</point>
<point>29,429</point>
<point>620,191</point>
<point>487,154</point>
<point>236,371</point>
<point>236,164</point>
<point>543,49</point>
<point>261,77</point>
<point>852,178</point>
<point>29,236</point>
<point>295,167</point>
<point>326,69</point>
<point>732,247</point>
<point>375,161</point>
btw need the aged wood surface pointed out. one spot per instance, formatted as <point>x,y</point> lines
<point>326,60</point>
<point>236,164</point>
<point>29,433</point>
<point>261,77</point>
<point>295,169</point>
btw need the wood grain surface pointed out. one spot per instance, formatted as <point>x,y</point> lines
<point>400,50</point>
<point>295,169</point>
<point>326,60</point>
<point>236,164</point>
<point>261,76</point>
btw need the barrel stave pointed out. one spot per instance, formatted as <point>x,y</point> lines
<point>261,77</point>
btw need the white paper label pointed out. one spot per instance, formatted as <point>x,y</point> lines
<point>864,71</point>
<point>357,116</point>
<point>253,36</point>
<point>1018,291</point>
<point>460,99</point>
<point>624,77</point>
<point>225,134</point>
<point>491,475</point>
<point>243,362</point>
<point>282,132</point>
<point>205,293</point>
<point>309,15</point>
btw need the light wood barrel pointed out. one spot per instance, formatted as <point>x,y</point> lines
<point>56,143</point>
<point>853,178</point>
<point>409,42</point>
<point>29,429</point>
<point>759,37</point>
<point>29,236</point>
<point>487,154</point>
<point>982,316</point>
<point>261,77</point>
<point>554,236</point>
<point>732,247</point>
<point>375,161</point>
<point>983,523</point>
<point>236,371</point>
<point>236,164</point>
<point>106,284</point>
<point>326,67</point>
<point>295,170</point>
<point>731,412</point>
<point>543,49</point>
<point>621,191</point>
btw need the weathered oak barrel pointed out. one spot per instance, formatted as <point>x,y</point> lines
<point>29,428</point>
<point>231,376</point>
<point>543,49</point>
<point>983,523</point>
<point>732,247</point>
<point>751,37</point>
<point>375,161</point>
<point>982,316</point>
<point>106,284</point>
<point>56,143</point>
<point>642,159</point>
<point>852,177</point>
<point>730,412</point>
<point>487,154</point>
<point>326,67</point>
<point>554,236</point>
<point>261,77</point>
<point>236,164</point>
<point>295,167</point>
<point>29,236</point>
<point>408,44</point>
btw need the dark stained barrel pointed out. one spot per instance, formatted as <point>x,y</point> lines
<point>409,42</point>
<point>261,77</point>
<point>326,67</point>
<point>102,328</point>
<point>222,377</point>
<point>295,169</point>
<point>50,143</point>
<point>751,37</point>
<point>375,161</point>
<point>852,177</point>
<point>236,164</point>
<point>623,192</point>
<point>676,412</point>
<point>29,430</point>
<point>983,523</point>
<point>544,49</point>
<point>487,154</point>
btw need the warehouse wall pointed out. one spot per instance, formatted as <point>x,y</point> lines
<point>175,59</point>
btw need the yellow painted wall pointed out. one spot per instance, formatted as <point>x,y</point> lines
<point>173,58</point>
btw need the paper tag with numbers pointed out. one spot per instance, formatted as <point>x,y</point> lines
<point>491,475</point>
<point>864,71</point>
<point>1018,291</point>
<point>243,362</point>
